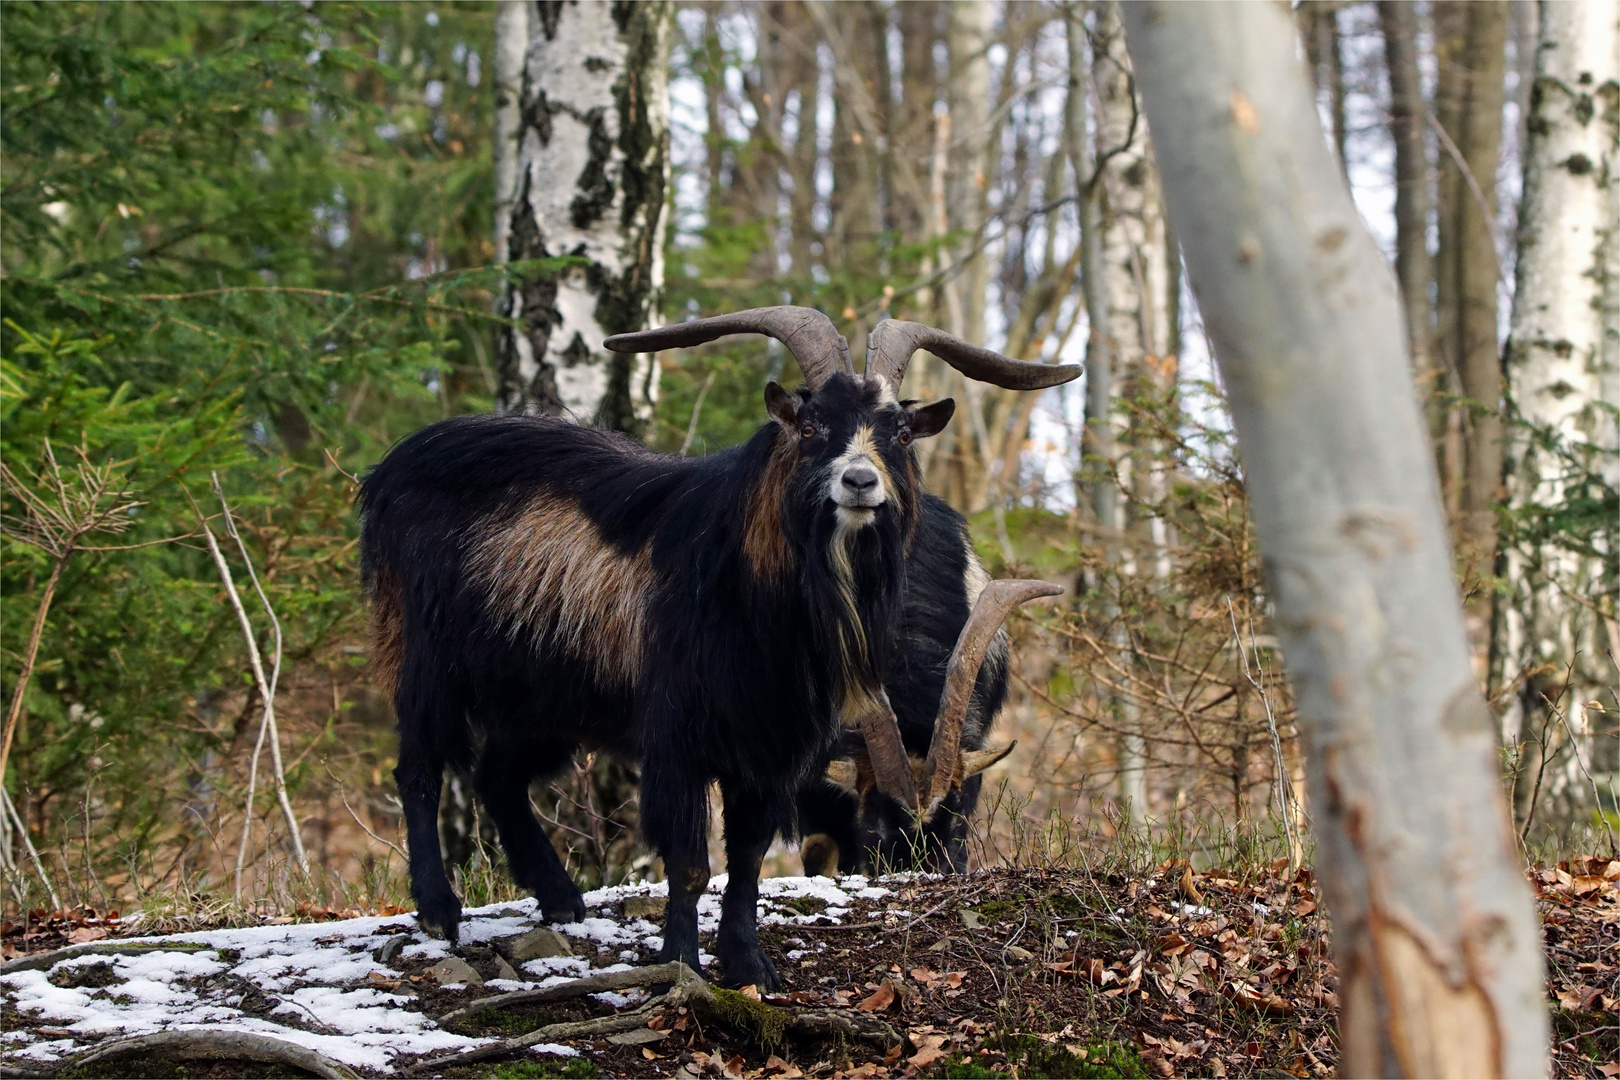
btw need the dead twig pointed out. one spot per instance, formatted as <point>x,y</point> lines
<point>92,499</point>
<point>10,811</point>
<point>266,687</point>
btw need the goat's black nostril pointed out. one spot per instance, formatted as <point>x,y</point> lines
<point>860,478</point>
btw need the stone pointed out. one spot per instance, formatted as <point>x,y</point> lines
<point>537,944</point>
<point>389,950</point>
<point>645,907</point>
<point>636,1037</point>
<point>1018,952</point>
<point>503,970</point>
<point>455,970</point>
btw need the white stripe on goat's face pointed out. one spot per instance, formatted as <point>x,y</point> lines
<point>858,480</point>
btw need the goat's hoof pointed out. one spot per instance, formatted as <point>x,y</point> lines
<point>750,967</point>
<point>440,916</point>
<point>565,908</point>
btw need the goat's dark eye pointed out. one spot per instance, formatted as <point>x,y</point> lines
<point>904,438</point>
<point>808,431</point>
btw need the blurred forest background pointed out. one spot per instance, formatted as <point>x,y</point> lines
<point>262,242</point>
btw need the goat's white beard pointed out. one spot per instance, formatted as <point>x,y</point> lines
<point>852,635</point>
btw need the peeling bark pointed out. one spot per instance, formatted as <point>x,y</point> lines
<point>1434,931</point>
<point>593,174</point>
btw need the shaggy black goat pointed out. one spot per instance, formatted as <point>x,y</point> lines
<point>537,585</point>
<point>848,825</point>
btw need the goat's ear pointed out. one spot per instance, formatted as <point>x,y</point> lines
<point>929,420</point>
<point>783,406</point>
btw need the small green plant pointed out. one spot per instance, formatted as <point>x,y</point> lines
<point>1096,1061</point>
<point>577,1068</point>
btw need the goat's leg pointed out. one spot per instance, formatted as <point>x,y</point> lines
<point>502,780</point>
<point>750,827</point>
<point>420,776</point>
<point>675,818</point>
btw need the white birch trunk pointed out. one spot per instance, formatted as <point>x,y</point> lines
<point>592,177</point>
<point>511,45</point>
<point>1561,373</point>
<point>1136,283</point>
<point>1434,931</point>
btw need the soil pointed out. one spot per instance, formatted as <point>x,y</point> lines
<point>1033,973</point>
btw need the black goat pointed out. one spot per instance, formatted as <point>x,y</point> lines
<point>537,585</point>
<point>849,825</point>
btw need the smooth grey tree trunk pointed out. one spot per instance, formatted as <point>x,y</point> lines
<point>593,173</point>
<point>1434,933</point>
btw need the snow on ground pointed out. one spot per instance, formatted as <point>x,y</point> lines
<point>323,985</point>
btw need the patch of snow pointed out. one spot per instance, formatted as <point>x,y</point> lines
<point>554,1048</point>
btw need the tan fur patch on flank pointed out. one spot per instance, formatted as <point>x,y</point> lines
<point>548,573</point>
<point>387,633</point>
<point>765,546</point>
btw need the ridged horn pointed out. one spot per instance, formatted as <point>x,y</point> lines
<point>808,334</point>
<point>890,344</point>
<point>995,603</point>
<point>886,752</point>
<point>975,762</point>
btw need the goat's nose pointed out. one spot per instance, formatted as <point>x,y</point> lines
<point>860,478</point>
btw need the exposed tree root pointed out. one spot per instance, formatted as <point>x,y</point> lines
<point>672,972</point>
<point>207,1044</point>
<point>689,987</point>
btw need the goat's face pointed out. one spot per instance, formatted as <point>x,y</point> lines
<point>853,441</point>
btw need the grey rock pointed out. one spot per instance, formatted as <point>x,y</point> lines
<point>645,907</point>
<point>503,970</point>
<point>455,970</point>
<point>389,950</point>
<point>1018,952</point>
<point>535,945</point>
<point>636,1037</point>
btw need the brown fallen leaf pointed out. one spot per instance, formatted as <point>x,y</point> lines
<point>750,991</point>
<point>648,1053</point>
<point>931,1051</point>
<point>881,998</point>
<point>733,1069</point>
<point>953,979</point>
<point>893,1053</point>
<point>1188,888</point>
<point>783,1069</point>
<point>82,934</point>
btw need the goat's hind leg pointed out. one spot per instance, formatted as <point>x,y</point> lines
<point>502,780</point>
<point>420,777</point>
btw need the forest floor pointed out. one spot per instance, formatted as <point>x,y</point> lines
<point>1010,972</point>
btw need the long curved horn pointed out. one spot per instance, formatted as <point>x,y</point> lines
<point>995,603</point>
<point>890,344</point>
<point>886,753</point>
<point>808,334</point>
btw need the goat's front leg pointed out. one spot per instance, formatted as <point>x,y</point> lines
<point>750,827</point>
<point>674,818</point>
